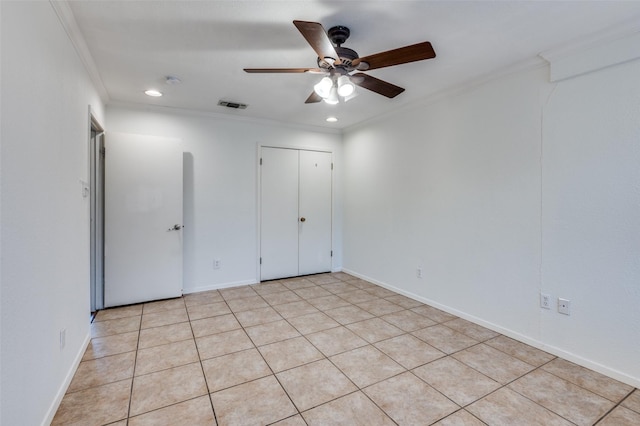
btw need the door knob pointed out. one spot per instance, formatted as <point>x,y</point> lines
<point>302,219</point>
<point>176,227</point>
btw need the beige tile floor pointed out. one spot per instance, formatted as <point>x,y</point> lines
<point>323,350</point>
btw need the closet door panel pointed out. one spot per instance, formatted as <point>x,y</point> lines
<point>279,213</point>
<point>315,207</point>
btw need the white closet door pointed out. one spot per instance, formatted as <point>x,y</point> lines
<point>143,203</point>
<point>279,205</point>
<point>295,213</point>
<point>315,207</point>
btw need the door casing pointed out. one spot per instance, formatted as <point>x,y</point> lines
<point>96,214</point>
<point>293,212</point>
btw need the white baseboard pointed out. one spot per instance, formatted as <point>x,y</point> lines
<point>62,390</point>
<point>559,352</point>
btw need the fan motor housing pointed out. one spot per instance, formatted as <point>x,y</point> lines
<point>338,35</point>
<point>346,56</point>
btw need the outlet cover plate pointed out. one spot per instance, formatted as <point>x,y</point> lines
<point>545,301</point>
<point>563,306</point>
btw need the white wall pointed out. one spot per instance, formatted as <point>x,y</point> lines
<point>45,221</point>
<point>221,184</point>
<point>452,188</point>
<point>503,190</point>
<point>591,217</point>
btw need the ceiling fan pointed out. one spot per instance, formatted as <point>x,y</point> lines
<point>338,64</point>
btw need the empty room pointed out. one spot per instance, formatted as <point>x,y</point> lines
<point>319,212</point>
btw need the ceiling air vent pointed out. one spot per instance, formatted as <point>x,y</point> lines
<point>234,105</point>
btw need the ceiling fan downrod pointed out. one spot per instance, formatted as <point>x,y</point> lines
<point>338,34</point>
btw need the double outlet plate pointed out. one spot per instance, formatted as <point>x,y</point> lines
<point>563,304</point>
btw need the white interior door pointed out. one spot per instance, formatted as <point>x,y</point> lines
<point>314,237</point>
<point>143,218</point>
<point>295,213</point>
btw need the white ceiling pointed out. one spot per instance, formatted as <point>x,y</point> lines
<point>135,44</point>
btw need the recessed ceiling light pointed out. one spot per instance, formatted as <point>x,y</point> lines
<point>152,92</point>
<point>332,119</point>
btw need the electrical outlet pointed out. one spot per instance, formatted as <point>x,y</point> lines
<point>419,272</point>
<point>545,301</point>
<point>563,306</point>
<point>63,338</point>
<point>216,263</point>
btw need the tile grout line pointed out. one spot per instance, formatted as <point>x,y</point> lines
<point>204,376</point>
<point>584,388</point>
<point>343,325</point>
<point>135,362</point>
<point>506,385</point>
<point>359,389</point>
<point>372,344</point>
<point>152,372</point>
<point>325,357</point>
<point>256,347</point>
<point>461,409</point>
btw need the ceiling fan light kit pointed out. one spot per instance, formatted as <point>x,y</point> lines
<point>333,88</point>
<point>337,63</point>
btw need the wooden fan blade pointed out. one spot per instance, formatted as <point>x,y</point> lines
<point>402,55</point>
<point>317,37</point>
<point>285,70</point>
<point>376,85</point>
<point>313,98</point>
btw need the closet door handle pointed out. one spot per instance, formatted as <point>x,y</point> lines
<point>302,219</point>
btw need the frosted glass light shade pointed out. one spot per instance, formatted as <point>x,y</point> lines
<point>323,88</point>
<point>345,86</point>
<point>332,99</point>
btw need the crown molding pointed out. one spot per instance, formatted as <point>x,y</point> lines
<point>603,37</point>
<point>600,50</point>
<point>68,21</point>
<point>221,116</point>
<point>452,91</point>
